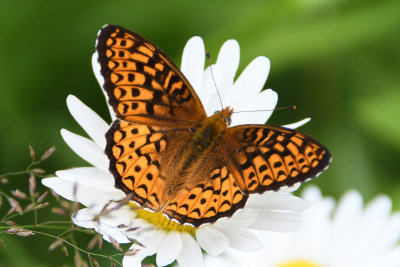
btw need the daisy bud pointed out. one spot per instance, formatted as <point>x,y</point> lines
<point>95,240</point>
<point>78,261</point>
<point>48,153</point>
<point>115,244</point>
<point>10,223</point>
<point>29,207</point>
<point>100,243</point>
<point>55,195</point>
<point>131,252</point>
<point>94,262</point>
<point>55,244</point>
<point>19,194</point>
<point>32,184</point>
<point>25,233</point>
<point>14,206</point>
<point>43,196</point>
<point>38,171</point>
<point>20,232</point>
<point>59,211</point>
<point>75,207</point>
<point>65,204</point>
<point>32,152</point>
<point>74,190</point>
<point>64,250</point>
<point>40,206</point>
<point>132,229</point>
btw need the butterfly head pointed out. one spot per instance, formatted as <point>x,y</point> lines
<point>225,115</point>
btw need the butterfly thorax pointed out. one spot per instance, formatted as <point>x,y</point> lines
<point>210,130</point>
<point>205,137</point>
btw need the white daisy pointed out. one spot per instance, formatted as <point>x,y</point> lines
<point>94,186</point>
<point>347,235</point>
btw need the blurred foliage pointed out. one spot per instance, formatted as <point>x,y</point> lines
<point>337,60</point>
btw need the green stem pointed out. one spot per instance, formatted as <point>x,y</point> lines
<point>27,170</point>
<point>35,215</point>
<point>12,173</point>
<point>75,246</point>
<point>34,226</point>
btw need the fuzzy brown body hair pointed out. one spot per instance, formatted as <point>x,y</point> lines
<point>190,155</point>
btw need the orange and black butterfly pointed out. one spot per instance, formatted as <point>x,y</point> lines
<point>172,157</point>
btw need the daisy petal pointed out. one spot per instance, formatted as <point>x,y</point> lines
<point>96,69</point>
<point>391,232</point>
<point>230,258</point>
<point>353,236</point>
<point>276,201</point>
<point>91,177</point>
<point>243,239</point>
<point>93,125</point>
<point>193,62</point>
<point>372,222</point>
<point>169,248</point>
<point>228,62</point>
<point>268,220</point>
<point>151,243</point>
<point>190,255</point>
<point>213,241</point>
<point>86,218</point>
<point>288,189</point>
<point>86,196</point>
<point>209,95</point>
<point>266,100</point>
<point>86,149</point>
<point>297,124</point>
<point>348,210</point>
<point>311,194</point>
<point>100,80</point>
<point>135,260</point>
<point>242,218</point>
<point>249,83</point>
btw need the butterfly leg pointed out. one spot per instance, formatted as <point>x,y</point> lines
<point>161,209</point>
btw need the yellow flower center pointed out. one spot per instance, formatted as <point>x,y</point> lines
<point>160,221</point>
<point>299,263</point>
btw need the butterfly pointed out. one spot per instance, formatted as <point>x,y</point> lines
<point>171,157</point>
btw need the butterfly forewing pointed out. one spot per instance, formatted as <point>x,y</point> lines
<point>142,84</point>
<point>134,153</point>
<point>265,158</point>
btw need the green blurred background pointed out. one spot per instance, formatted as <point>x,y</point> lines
<point>338,61</point>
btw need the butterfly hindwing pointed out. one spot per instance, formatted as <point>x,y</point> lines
<point>142,84</point>
<point>269,157</point>
<point>218,196</point>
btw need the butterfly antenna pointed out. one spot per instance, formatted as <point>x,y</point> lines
<point>292,107</point>
<point>212,75</point>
